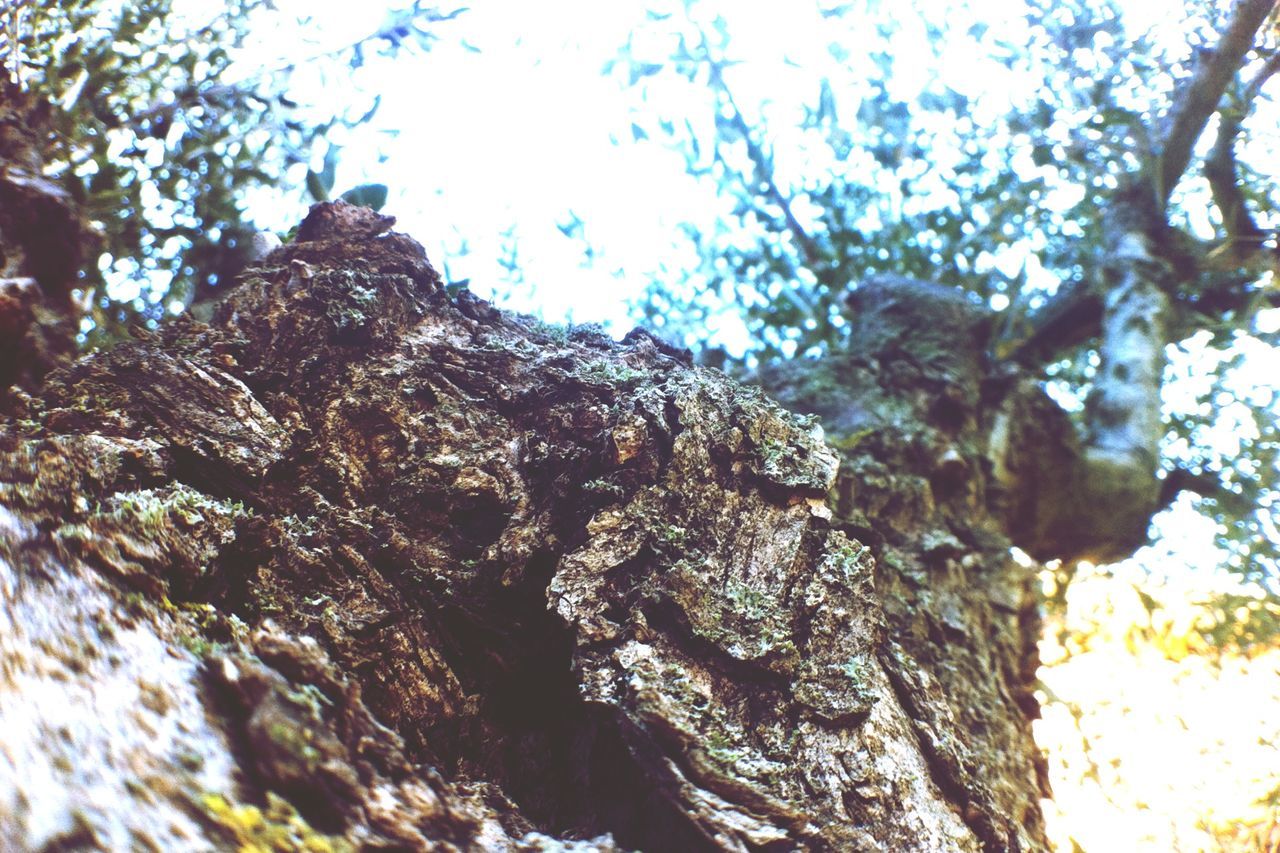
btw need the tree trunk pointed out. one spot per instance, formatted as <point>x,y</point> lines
<point>366,565</point>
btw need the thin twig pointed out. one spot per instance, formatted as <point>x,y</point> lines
<point>808,247</point>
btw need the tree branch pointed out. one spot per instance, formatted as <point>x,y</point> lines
<point>1244,238</point>
<point>1068,318</point>
<point>1198,99</point>
<point>809,249</point>
<point>1231,297</point>
<point>1074,313</point>
<point>1181,480</point>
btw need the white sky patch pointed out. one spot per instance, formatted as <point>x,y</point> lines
<point>527,132</point>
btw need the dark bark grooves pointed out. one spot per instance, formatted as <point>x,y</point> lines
<point>360,564</point>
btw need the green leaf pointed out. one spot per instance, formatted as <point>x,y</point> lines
<point>367,195</point>
<point>316,187</point>
<point>643,69</point>
<point>330,169</point>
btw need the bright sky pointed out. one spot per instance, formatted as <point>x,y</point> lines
<point>508,121</point>
<point>520,133</point>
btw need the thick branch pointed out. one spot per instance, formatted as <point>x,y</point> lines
<point>1181,480</point>
<point>1069,318</point>
<point>1230,295</point>
<point>1074,314</point>
<point>1244,236</point>
<point>1196,101</point>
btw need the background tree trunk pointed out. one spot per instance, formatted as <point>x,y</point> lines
<point>361,563</point>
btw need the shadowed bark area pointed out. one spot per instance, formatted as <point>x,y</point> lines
<point>43,242</point>
<point>387,568</point>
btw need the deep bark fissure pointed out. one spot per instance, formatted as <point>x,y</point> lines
<point>234,713</point>
<point>950,778</point>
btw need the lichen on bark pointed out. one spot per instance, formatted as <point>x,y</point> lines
<point>426,574</point>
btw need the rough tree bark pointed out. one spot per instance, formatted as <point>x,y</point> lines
<point>361,564</point>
